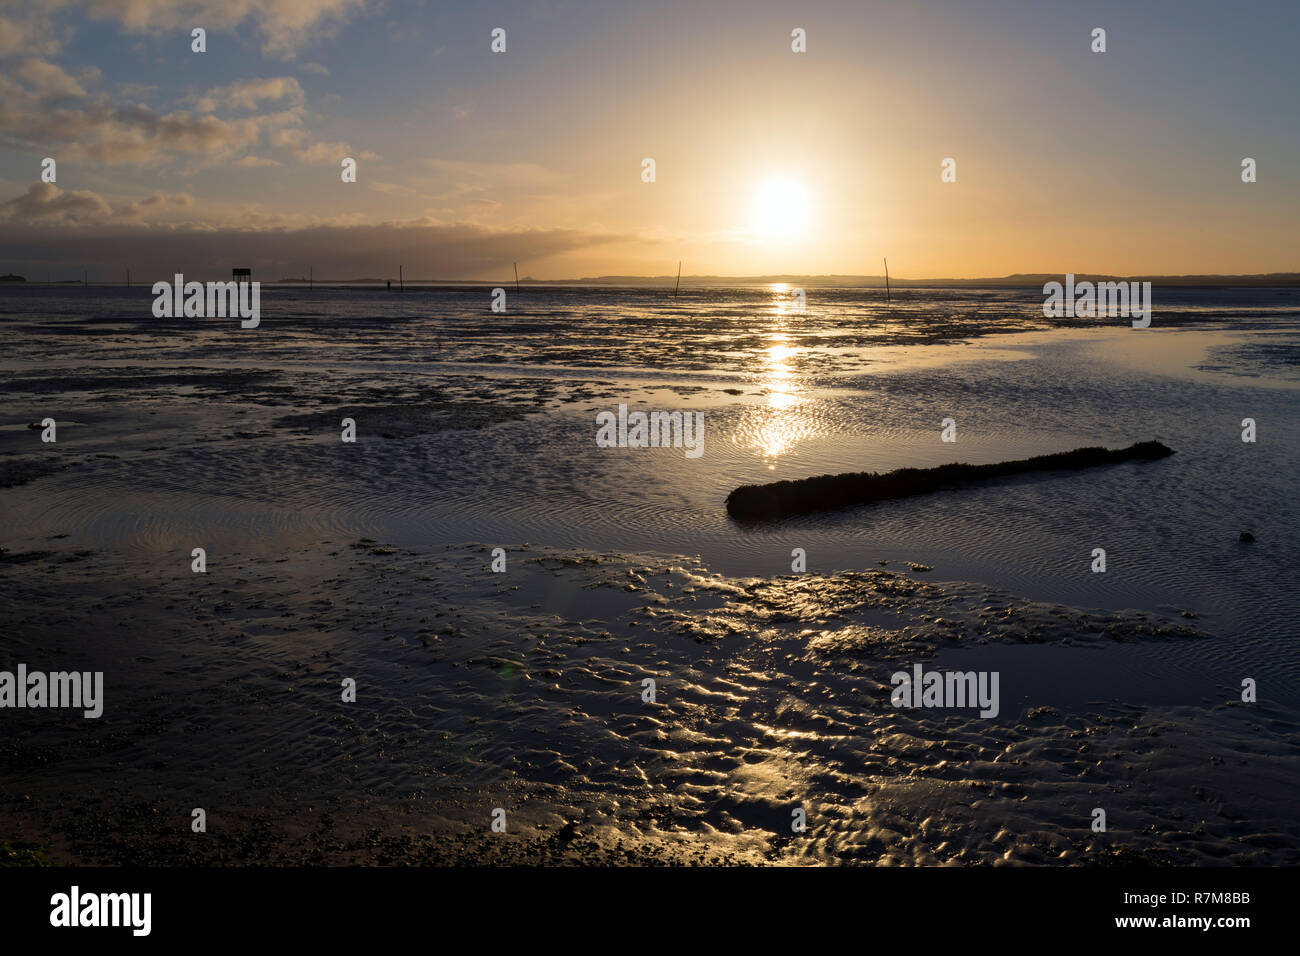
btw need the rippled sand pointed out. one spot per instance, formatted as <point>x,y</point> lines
<point>523,690</point>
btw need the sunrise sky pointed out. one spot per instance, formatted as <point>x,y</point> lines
<point>767,161</point>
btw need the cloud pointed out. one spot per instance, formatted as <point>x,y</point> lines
<point>42,105</point>
<point>300,144</point>
<point>425,247</point>
<point>284,25</point>
<point>136,135</point>
<point>497,174</point>
<point>47,80</point>
<point>153,204</point>
<point>47,203</point>
<point>25,30</point>
<point>247,94</point>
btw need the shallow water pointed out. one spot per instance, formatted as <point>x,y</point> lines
<point>500,448</point>
<point>177,434</point>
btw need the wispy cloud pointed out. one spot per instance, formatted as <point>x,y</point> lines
<point>26,28</point>
<point>498,174</point>
<point>247,94</point>
<point>46,106</point>
<point>285,26</point>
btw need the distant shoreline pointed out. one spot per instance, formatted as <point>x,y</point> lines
<point>1017,280</point>
<point>1273,280</point>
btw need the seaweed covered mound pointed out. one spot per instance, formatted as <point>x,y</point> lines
<point>783,499</point>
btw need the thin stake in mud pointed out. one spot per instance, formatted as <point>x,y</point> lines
<point>887,296</point>
<point>401,283</point>
<point>679,279</point>
<point>516,278</point>
<point>784,499</point>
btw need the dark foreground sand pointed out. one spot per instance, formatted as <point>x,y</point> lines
<point>523,691</point>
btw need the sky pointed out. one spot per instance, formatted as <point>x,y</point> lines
<point>766,161</point>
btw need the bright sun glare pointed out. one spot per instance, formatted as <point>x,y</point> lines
<point>781,211</point>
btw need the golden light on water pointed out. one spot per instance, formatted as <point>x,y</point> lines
<point>777,432</point>
<point>776,426</point>
<point>786,301</point>
<point>778,377</point>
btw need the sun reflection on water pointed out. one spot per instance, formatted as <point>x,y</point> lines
<point>778,428</point>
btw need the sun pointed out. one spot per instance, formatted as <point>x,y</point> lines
<point>781,211</point>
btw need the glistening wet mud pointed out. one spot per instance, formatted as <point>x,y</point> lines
<point>524,690</point>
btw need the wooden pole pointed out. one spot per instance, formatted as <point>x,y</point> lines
<point>311,277</point>
<point>516,278</point>
<point>887,297</point>
<point>679,279</point>
<point>401,283</point>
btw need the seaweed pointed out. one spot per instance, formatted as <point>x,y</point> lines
<point>784,499</point>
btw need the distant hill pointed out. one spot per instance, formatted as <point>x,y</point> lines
<point>1018,280</point>
<point>12,278</point>
<point>331,281</point>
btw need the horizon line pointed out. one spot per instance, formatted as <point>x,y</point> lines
<point>1014,279</point>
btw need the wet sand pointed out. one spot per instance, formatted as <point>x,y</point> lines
<point>523,690</point>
